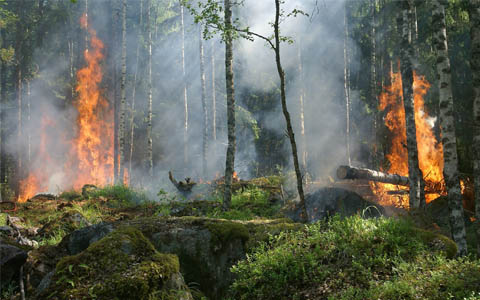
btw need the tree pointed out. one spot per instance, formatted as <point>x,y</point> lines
<point>185,98</point>
<point>417,185</point>
<point>149,157</point>
<point>121,130</point>
<point>447,125</point>
<point>474,13</point>
<point>346,82</point>
<point>204,105</point>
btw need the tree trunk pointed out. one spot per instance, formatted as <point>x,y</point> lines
<point>347,172</point>
<point>346,82</point>
<point>230,159</point>
<point>474,11</point>
<point>214,102</point>
<point>121,129</point>
<point>303,137</point>
<point>373,83</point>
<point>204,105</point>
<point>286,114</point>
<point>185,98</point>
<point>3,94</point>
<point>417,185</point>
<point>447,125</point>
<point>29,117</point>
<point>149,94</point>
<point>134,89</point>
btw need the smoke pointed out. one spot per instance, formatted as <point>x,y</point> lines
<point>318,40</point>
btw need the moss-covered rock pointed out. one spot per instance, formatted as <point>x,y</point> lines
<point>67,223</point>
<point>122,265</point>
<point>207,248</point>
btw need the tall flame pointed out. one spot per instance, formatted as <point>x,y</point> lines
<point>430,151</point>
<point>90,154</point>
<point>92,149</point>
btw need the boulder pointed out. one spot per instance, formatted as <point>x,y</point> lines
<point>122,265</point>
<point>79,240</point>
<point>11,259</point>
<point>328,201</point>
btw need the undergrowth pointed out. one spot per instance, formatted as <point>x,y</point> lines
<point>354,258</point>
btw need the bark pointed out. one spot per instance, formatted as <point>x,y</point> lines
<point>303,138</point>
<point>3,94</point>
<point>185,98</point>
<point>447,125</point>
<point>346,82</point>
<point>149,94</point>
<point>414,26</point>
<point>121,130</point>
<point>373,81</point>
<point>230,158</point>
<point>474,11</point>
<point>29,117</point>
<point>214,101</point>
<point>286,114</point>
<point>19,89</point>
<point>204,105</point>
<point>417,192</point>
<point>134,89</point>
<point>114,61</point>
<point>347,172</point>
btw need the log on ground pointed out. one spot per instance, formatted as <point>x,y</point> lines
<point>347,172</point>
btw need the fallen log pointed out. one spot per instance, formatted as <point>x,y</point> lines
<point>347,172</point>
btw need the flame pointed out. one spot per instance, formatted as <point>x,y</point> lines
<point>90,154</point>
<point>92,149</point>
<point>430,151</point>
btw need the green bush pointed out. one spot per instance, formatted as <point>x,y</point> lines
<point>349,258</point>
<point>121,195</point>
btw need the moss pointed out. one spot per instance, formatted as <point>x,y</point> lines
<point>224,231</point>
<point>123,265</point>
<point>260,231</point>
<point>3,219</point>
<point>438,242</point>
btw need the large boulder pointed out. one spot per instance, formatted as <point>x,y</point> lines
<point>12,259</point>
<point>208,248</point>
<point>328,201</point>
<point>122,265</point>
<point>79,240</point>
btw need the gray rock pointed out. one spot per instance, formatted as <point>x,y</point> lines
<point>6,230</point>
<point>11,259</point>
<point>328,201</point>
<point>45,283</point>
<point>79,240</point>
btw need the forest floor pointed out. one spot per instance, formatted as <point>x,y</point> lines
<point>406,257</point>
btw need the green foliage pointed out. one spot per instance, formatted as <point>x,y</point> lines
<point>70,195</point>
<point>346,259</point>
<point>121,195</point>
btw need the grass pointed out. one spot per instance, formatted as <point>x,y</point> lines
<point>353,258</point>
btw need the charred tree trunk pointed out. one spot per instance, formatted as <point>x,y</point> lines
<point>230,159</point>
<point>121,129</point>
<point>149,93</point>
<point>447,125</point>
<point>185,97</point>
<point>286,114</point>
<point>19,92</point>
<point>134,89</point>
<point>474,12</point>
<point>373,82</point>
<point>347,172</point>
<point>29,117</point>
<point>204,105</point>
<point>417,185</point>
<point>346,82</point>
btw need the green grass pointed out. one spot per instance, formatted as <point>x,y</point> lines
<point>120,195</point>
<point>70,195</point>
<point>353,258</point>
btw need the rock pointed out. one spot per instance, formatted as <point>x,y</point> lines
<point>328,201</point>
<point>6,230</point>
<point>208,248</point>
<point>44,283</point>
<point>79,240</point>
<point>11,259</point>
<point>122,265</point>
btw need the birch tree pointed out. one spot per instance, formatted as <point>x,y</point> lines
<point>204,104</point>
<point>447,125</point>
<point>121,130</point>
<point>417,185</point>
<point>474,13</point>
<point>149,93</point>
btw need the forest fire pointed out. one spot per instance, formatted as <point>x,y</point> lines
<point>92,150</point>
<point>430,151</point>
<point>90,154</point>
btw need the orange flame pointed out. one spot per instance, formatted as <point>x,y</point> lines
<point>430,151</point>
<point>90,157</point>
<point>92,149</point>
